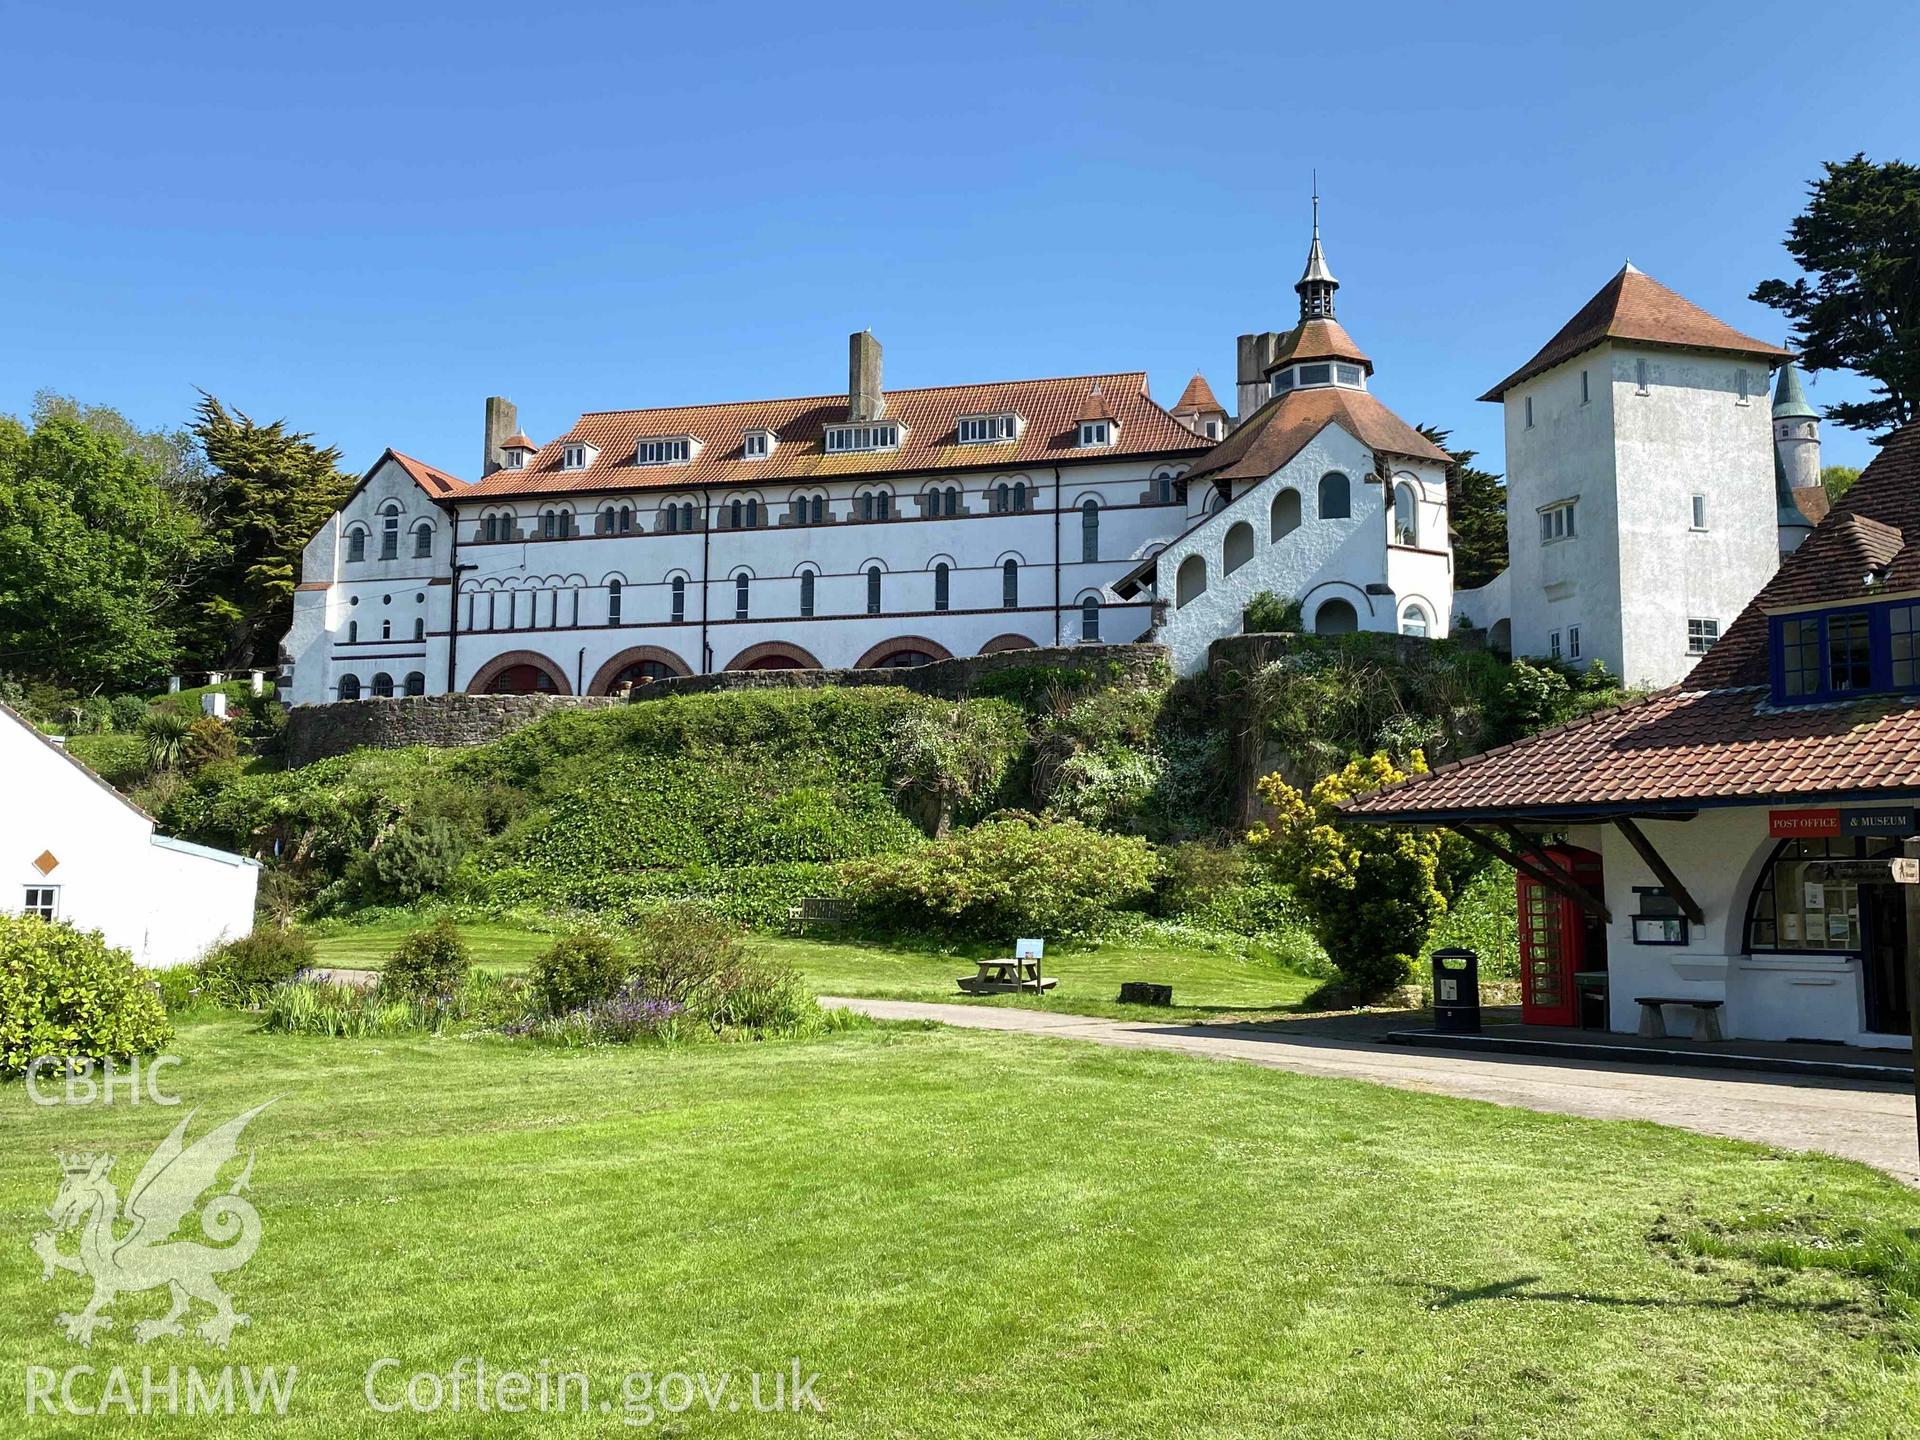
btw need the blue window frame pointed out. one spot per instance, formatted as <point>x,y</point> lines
<point>1834,654</point>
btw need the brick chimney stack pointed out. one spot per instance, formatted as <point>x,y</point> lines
<point>864,398</point>
<point>502,420</point>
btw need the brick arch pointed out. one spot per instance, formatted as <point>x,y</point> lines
<point>902,642</point>
<point>1008,641</point>
<point>603,677</point>
<point>748,658</point>
<point>492,670</point>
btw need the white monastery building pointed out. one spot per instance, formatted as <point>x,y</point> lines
<point>1648,501</point>
<point>78,850</point>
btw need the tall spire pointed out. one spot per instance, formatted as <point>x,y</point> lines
<point>1316,284</point>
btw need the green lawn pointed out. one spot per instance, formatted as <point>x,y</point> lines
<point>1204,982</point>
<point>971,1235</point>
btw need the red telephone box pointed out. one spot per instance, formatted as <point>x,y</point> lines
<point>1558,939</point>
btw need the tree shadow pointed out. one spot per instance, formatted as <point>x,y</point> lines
<point>1446,1297</point>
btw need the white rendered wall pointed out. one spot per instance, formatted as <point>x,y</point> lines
<point>373,593</point>
<point>1566,454</point>
<point>1689,433</point>
<point>1319,561</point>
<point>1719,856</point>
<point>164,906</point>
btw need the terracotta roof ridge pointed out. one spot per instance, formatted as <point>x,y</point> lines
<point>1138,376</point>
<point>412,462</point>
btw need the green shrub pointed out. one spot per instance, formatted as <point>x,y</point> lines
<point>344,1011</point>
<point>209,742</point>
<point>419,855</point>
<point>1006,878</point>
<point>430,964</point>
<point>581,969</point>
<point>165,729</point>
<point>1271,614</point>
<point>238,971</point>
<point>1485,918</point>
<point>1194,875</point>
<point>66,992</point>
<point>118,759</point>
<point>126,712</point>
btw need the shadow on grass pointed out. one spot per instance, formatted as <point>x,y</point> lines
<point>1446,1297</point>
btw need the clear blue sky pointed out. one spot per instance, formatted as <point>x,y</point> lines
<point>367,218</point>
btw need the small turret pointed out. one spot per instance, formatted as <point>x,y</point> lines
<point>1796,431</point>
<point>1316,283</point>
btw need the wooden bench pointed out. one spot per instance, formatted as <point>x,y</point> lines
<point>1653,1020</point>
<point>818,911</point>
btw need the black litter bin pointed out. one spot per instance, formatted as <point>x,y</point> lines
<point>1456,992</point>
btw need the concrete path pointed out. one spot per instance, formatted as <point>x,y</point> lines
<point>1866,1121</point>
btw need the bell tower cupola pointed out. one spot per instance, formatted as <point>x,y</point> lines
<point>1316,284</point>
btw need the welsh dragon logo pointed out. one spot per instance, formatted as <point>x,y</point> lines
<point>136,1250</point>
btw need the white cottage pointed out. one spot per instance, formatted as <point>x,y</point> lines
<point>1721,848</point>
<point>77,850</point>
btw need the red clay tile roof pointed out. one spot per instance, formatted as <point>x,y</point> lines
<point>1715,737</point>
<point>1281,428</point>
<point>1318,340</point>
<point>518,441</point>
<point>1095,406</point>
<point>1197,399</point>
<point>1673,749</point>
<point>1051,409</point>
<point>1811,501</point>
<point>1635,306</point>
<point>437,483</point>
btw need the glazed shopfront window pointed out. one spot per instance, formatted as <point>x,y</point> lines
<point>1808,898</point>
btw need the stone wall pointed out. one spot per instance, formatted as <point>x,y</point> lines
<point>315,732</point>
<point>955,679</point>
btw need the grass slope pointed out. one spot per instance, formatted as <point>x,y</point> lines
<point>1205,982</point>
<point>980,1235</point>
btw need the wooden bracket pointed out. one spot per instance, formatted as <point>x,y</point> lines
<point>1662,871</point>
<point>1551,876</point>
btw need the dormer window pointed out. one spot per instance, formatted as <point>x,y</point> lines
<point>666,450</point>
<point>1095,433</point>
<point>848,439</point>
<point>1838,654</point>
<point>578,455</point>
<point>1316,375</point>
<point>516,459</point>
<point>757,444</point>
<point>989,429</point>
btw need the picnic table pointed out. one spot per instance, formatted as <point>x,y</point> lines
<point>1006,974</point>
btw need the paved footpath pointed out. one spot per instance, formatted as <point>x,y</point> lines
<point>1869,1121</point>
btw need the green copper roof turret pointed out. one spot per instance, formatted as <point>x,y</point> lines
<point>1789,400</point>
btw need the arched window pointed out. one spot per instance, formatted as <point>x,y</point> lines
<point>1089,531</point>
<point>353,632</point>
<point>1090,618</point>
<point>419,628</point>
<point>390,535</point>
<point>1019,495</point>
<point>818,507</point>
<point>1002,497</point>
<point>349,687</point>
<point>882,504</point>
<point>356,544</point>
<point>613,602</point>
<point>383,686</point>
<point>873,589</point>
<point>679,599</point>
<point>942,582</point>
<point>1415,621</point>
<point>549,524</point>
<point>806,593</point>
<point>1336,497</point>
<point>1336,617</point>
<point>1010,585</point>
<point>1238,549</point>
<point>740,588</point>
<point>1406,515</point>
<point>1285,516</point>
<point>753,514</point>
<point>386,629</point>
<point>736,514</point>
<point>416,683</point>
<point>423,540</point>
<point>670,518</point>
<point>1191,582</point>
<point>951,505</point>
<point>686,516</point>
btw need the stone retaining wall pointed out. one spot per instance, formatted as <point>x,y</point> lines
<point>315,732</point>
